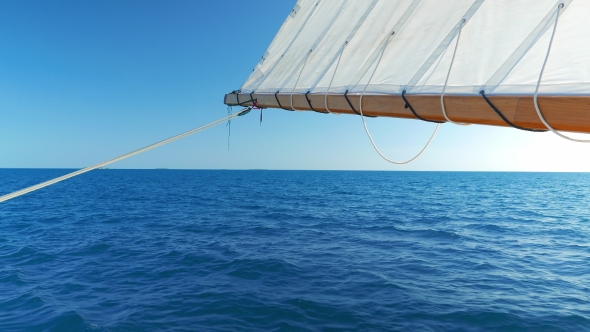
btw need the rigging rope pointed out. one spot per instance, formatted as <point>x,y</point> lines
<point>279,102</point>
<point>298,77</point>
<point>230,111</point>
<point>334,75</point>
<point>442,95</point>
<point>365,124</point>
<point>559,7</point>
<point>408,105</point>
<point>110,161</point>
<point>508,122</point>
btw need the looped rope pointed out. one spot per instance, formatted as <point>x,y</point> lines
<point>408,105</point>
<point>483,94</point>
<point>559,7</point>
<point>365,124</point>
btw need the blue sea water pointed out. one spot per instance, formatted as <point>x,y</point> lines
<point>172,250</point>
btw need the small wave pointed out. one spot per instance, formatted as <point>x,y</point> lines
<point>434,234</point>
<point>253,269</point>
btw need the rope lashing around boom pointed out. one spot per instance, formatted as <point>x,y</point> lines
<point>408,105</point>
<point>365,124</point>
<point>309,103</point>
<point>349,103</point>
<point>559,7</point>
<point>243,102</point>
<point>508,122</point>
<point>352,107</point>
<point>278,102</point>
<point>130,154</point>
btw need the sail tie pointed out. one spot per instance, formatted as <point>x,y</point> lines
<point>298,77</point>
<point>349,103</point>
<point>309,102</point>
<point>365,124</point>
<point>130,154</point>
<point>254,101</point>
<point>243,102</point>
<point>332,80</point>
<point>352,107</point>
<point>279,102</point>
<point>442,95</point>
<point>408,105</point>
<point>508,122</point>
<point>541,117</point>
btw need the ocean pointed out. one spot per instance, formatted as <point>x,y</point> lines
<point>224,250</point>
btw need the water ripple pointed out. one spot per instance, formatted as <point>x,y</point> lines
<point>133,250</point>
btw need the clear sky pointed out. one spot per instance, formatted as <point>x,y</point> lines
<point>85,81</point>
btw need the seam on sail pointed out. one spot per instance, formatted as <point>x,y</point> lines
<point>303,25</point>
<point>502,72</point>
<point>442,47</point>
<point>321,37</point>
<point>351,35</point>
<point>266,54</point>
<point>371,59</point>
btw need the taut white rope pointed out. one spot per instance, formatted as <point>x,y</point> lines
<point>149,147</point>
<point>442,95</point>
<point>365,124</point>
<point>334,75</point>
<point>539,83</point>
<point>298,77</point>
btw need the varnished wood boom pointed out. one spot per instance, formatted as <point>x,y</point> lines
<point>565,113</point>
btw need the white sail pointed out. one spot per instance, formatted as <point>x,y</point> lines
<point>336,44</point>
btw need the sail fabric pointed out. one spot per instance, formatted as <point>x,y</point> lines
<point>387,46</point>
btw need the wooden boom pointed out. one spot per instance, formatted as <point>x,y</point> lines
<point>567,113</point>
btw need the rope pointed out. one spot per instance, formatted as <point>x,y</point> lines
<point>230,111</point>
<point>349,103</point>
<point>298,77</point>
<point>483,94</point>
<point>539,83</point>
<point>365,124</point>
<point>149,147</point>
<point>442,95</point>
<point>332,80</point>
<point>408,105</point>
<point>278,102</point>
<point>309,102</point>
<point>238,99</point>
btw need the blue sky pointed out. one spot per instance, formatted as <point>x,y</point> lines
<point>85,81</point>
